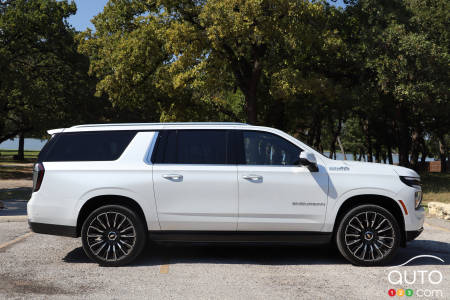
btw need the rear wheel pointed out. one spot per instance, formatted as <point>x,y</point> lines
<point>368,235</point>
<point>113,235</point>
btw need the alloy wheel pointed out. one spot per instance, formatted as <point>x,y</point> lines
<point>111,236</point>
<point>369,236</point>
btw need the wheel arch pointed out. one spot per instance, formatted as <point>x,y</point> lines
<point>386,202</point>
<point>98,201</point>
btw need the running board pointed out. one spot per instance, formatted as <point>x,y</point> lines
<point>275,237</point>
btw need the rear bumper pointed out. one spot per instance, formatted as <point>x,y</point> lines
<point>62,230</point>
<point>412,235</point>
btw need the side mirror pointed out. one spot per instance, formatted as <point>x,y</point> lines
<point>308,160</point>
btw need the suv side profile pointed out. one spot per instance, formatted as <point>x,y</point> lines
<point>120,185</point>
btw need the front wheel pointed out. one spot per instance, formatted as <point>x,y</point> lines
<point>113,235</point>
<point>368,235</point>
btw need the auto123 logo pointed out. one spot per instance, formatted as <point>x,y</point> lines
<point>415,282</point>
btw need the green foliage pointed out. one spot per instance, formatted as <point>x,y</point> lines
<point>43,80</point>
<point>374,73</point>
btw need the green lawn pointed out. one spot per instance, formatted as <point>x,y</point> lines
<point>436,187</point>
<point>7,155</point>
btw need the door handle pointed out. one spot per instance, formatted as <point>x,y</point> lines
<point>173,177</point>
<point>253,178</point>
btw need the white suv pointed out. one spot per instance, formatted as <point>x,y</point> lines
<point>118,185</point>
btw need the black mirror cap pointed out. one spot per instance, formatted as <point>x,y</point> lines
<point>311,166</point>
<point>304,162</point>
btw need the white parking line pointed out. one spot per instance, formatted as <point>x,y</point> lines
<point>16,240</point>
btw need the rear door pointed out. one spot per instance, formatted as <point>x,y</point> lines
<point>275,192</point>
<point>195,180</point>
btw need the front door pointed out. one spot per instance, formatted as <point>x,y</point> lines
<point>275,193</point>
<point>195,185</point>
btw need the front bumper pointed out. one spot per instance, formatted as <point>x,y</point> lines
<point>412,235</point>
<point>62,230</point>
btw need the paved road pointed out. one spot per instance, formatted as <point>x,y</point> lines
<point>42,266</point>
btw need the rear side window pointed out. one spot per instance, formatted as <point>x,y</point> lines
<point>193,147</point>
<point>43,153</point>
<point>88,146</point>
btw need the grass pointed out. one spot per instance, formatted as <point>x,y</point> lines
<point>8,155</point>
<point>436,187</point>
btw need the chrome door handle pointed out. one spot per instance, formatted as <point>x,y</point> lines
<point>253,177</point>
<point>174,177</point>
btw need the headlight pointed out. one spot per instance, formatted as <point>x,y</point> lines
<point>410,181</point>
<point>418,198</point>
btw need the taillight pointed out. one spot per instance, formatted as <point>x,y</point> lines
<point>38,176</point>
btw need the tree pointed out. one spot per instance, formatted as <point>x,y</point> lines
<point>376,71</point>
<point>194,50</point>
<point>43,80</point>
<point>405,72</point>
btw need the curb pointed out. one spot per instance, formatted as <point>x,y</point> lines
<point>5,219</point>
<point>439,210</point>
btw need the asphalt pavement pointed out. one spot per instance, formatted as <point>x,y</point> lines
<point>51,267</point>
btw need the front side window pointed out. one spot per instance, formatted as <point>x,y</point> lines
<point>263,148</point>
<point>193,147</point>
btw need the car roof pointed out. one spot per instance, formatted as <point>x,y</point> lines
<point>148,126</point>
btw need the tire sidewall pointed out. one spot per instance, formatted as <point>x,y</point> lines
<point>340,235</point>
<point>141,237</point>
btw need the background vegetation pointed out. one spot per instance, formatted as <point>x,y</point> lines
<point>373,75</point>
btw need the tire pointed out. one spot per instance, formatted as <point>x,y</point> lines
<point>113,235</point>
<point>368,235</point>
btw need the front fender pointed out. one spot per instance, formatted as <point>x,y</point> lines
<point>335,204</point>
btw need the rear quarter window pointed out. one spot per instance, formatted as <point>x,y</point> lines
<point>88,146</point>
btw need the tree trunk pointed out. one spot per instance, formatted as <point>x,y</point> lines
<point>342,148</point>
<point>331,154</point>
<point>250,101</point>
<point>251,86</point>
<point>335,136</point>
<point>383,156</point>
<point>403,138</point>
<point>415,138</point>
<point>377,153</point>
<point>362,155</point>
<point>443,153</point>
<point>424,151</point>
<point>247,75</point>
<point>368,141</point>
<point>20,151</point>
<point>318,136</point>
<point>390,159</point>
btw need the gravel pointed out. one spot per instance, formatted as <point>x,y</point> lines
<point>50,267</point>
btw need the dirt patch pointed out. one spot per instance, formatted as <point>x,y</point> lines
<point>16,183</point>
<point>25,287</point>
